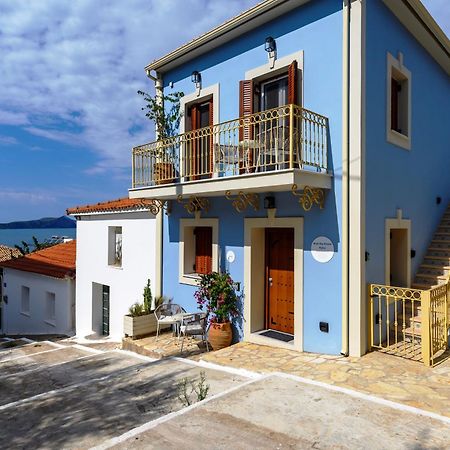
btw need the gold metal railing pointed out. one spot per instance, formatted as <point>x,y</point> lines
<point>410,323</point>
<point>287,137</point>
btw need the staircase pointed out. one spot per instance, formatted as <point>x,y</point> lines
<point>434,271</point>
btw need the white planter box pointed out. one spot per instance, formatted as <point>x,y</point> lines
<point>140,326</point>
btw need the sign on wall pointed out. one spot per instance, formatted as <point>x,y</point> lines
<point>322,249</point>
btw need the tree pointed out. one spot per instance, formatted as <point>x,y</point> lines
<point>25,249</point>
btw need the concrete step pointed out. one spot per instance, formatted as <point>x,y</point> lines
<point>412,334</point>
<point>415,322</point>
<point>424,286</point>
<point>433,269</point>
<point>441,243</point>
<point>438,251</point>
<point>436,261</point>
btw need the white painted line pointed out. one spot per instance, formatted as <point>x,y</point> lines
<point>7,339</point>
<point>135,355</point>
<point>68,388</point>
<point>30,355</point>
<point>30,341</point>
<point>364,396</point>
<point>153,423</point>
<point>87,349</point>
<point>54,344</point>
<point>47,366</point>
<point>208,365</point>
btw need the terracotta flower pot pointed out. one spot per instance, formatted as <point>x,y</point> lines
<point>220,335</point>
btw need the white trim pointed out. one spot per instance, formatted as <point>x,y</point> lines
<point>187,100</point>
<point>393,136</point>
<point>397,223</point>
<point>357,188</point>
<point>192,279</point>
<point>281,65</point>
<point>252,286</point>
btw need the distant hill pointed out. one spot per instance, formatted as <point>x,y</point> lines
<point>45,222</point>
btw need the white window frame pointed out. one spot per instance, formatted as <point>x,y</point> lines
<point>23,310</point>
<point>50,304</point>
<point>187,247</point>
<point>396,66</point>
<point>112,238</point>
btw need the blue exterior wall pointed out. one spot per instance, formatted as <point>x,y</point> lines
<point>395,177</point>
<point>315,28</point>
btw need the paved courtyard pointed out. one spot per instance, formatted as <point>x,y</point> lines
<point>65,395</point>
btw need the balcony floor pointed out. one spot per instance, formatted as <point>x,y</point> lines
<point>276,181</point>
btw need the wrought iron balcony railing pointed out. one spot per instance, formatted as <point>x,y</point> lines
<point>288,137</point>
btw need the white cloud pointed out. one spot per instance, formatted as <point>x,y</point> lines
<point>70,70</point>
<point>8,140</point>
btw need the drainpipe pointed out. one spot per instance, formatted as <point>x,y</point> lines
<point>159,217</point>
<point>346,179</point>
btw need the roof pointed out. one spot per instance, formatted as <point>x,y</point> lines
<point>57,261</point>
<point>411,13</point>
<point>119,205</point>
<point>7,253</point>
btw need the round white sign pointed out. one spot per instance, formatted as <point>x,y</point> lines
<point>230,256</point>
<point>322,249</point>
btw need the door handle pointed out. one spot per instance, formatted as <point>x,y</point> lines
<point>270,281</point>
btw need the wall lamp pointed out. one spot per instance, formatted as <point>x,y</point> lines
<point>269,202</point>
<point>196,78</point>
<point>270,46</point>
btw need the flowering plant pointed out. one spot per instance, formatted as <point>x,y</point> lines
<point>217,295</point>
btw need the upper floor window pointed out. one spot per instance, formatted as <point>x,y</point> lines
<point>115,246</point>
<point>398,112</point>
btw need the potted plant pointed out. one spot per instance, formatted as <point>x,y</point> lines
<point>167,121</point>
<point>217,295</point>
<point>140,320</point>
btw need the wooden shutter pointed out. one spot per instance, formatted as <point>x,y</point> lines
<point>195,144</point>
<point>203,250</point>
<point>293,83</point>
<point>395,87</point>
<point>245,108</point>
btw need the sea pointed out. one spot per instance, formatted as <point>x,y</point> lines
<point>16,236</point>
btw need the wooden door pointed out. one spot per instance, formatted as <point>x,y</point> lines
<point>280,279</point>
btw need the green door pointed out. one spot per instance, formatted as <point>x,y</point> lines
<point>105,311</point>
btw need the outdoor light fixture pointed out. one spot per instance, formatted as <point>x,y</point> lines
<point>269,202</point>
<point>270,47</point>
<point>196,78</point>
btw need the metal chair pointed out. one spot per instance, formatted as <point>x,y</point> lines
<point>194,325</point>
<point>168,314</point>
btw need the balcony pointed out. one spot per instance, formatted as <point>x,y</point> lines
<point>267,151</point>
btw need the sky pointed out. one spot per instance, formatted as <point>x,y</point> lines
<point>69,112</point>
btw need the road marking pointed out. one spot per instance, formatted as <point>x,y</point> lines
<point>364,396</point>
<point>87,349</point>
<point>135,355</point>
<point>153,423</point>
<point>30,355</point>
<point>71,387</point>
<point>30,341</point>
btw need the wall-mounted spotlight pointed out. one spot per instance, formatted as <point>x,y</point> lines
<point>196,78</point>
<point>269,202</point>
<point>270,46</point>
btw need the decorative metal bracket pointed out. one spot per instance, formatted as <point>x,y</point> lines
<point>243,200</point>
<point>309,196</point>
<point>194,203</point>
<point>160,205</point>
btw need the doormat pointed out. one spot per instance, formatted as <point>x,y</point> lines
<point>277,335</point>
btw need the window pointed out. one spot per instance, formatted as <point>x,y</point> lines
<point>115,246</point>
<point>50,308</point>
<point>398,114</point>
<point>25,301</point>
<point>198,248</point>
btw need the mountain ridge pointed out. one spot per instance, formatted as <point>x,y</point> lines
<point>44,222</point>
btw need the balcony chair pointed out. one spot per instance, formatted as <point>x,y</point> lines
<point>194,325</point>
<point>169,314</point>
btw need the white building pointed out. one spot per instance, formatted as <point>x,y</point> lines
<point>116,255</point>
<point>39,292</point>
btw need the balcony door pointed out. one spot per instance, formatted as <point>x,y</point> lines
<point>199,158</point>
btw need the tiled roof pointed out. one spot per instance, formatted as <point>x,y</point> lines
<point>57,261</point>
<point>121,204</point>
<point>8,253</point>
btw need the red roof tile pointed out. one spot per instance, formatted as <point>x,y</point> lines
<point>7,253</point>
<point>57,261</point>
<point>121,204</point>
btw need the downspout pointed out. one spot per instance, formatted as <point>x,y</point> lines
<point>159,217</point>
<point>346,179</point>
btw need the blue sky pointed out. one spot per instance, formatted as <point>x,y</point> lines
<point>69,72</point>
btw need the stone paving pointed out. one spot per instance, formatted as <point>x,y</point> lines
<point>381,375</point>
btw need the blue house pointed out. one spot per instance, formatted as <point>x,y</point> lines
<point>312,160</point>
